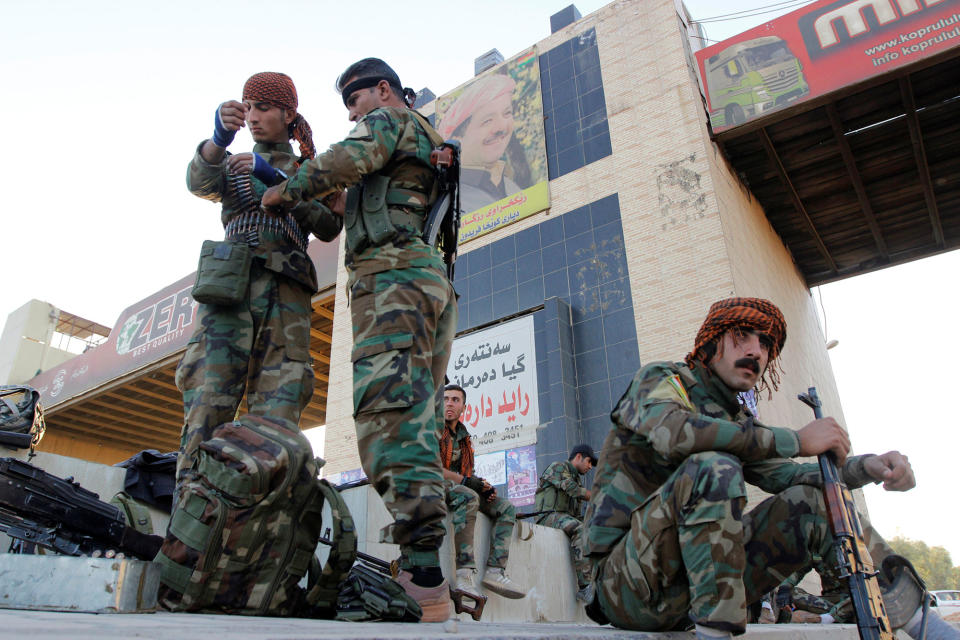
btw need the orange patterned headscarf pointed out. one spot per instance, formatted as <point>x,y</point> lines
<point>278,89</point>
<point>754,313</point>
<point>466,452</point>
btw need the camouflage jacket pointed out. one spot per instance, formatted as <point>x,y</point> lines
<point>560,489</point>
<point>208,181</point>
<point>669,412</point>
<point>389,141</point>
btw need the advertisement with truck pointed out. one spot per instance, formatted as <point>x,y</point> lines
<point>751,78</point>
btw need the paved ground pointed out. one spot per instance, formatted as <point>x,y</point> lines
<point>43,625</point>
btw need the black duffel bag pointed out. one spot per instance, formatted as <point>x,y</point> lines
<point>21,417</point>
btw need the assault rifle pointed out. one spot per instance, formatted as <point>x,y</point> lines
<point>852,555</point>
<point>442,226</point>
<point>39,508</point>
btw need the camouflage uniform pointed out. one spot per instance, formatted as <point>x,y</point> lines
<point>404,318</point>
<point>560,498</point>
<point>500,510</point>
<point>260,346</point>
<point>835,594</point>
<point>462,504</point>
<point>665,528</point>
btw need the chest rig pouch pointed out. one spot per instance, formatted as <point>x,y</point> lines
<point>366,216</point>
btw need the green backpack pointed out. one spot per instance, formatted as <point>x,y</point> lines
<point>243,532</point>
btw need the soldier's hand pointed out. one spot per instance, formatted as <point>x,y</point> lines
<point>822,435</point>
<point>336,202</point>
<point>271,198</point>
<point>893,468</point>
<point>233,115</point>
<point>240,163</point>
<point>489,492</point>
<point>589,494</point>
<point>472,483</point>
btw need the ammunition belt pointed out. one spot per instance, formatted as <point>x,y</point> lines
<point>252,225</point>
<point>250,228</point>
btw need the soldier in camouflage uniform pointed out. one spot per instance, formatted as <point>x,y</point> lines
<point>665,529</point>
<point>559,502</point>
<point>403,309</point>
<point>456,454</point>
<point>833,605</point>
<point>261,345</point>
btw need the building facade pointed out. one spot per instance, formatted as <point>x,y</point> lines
<point>646,226</point>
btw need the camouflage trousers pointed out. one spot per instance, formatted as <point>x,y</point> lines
<point>504,516</point>
<point>259,347</point>
<point>462,504</point>
<point>404,321</point>
<point>570,526</point>
<point>692,555</point>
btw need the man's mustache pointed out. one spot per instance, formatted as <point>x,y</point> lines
<point>748,363</point>
<point>496,137</point>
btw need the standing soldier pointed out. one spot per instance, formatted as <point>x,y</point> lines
<point>260,344</point>
<point>559,504</point>
<point>456,453</point>
<point>403,310</point>
<point>666,529</point>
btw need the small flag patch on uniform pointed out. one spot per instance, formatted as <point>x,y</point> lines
<point>674,382</point>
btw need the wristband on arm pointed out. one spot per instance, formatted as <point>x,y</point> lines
<point>266,174</point>
<point>222,137</point>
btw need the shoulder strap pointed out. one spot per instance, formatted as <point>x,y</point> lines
<point>343,551</point>
<point>136,514</point>
<point>435,138</point>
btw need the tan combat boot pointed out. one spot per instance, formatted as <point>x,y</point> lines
<point>434,601</point>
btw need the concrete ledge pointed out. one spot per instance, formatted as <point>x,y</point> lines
<point>42,625</point>
<point>78,585</point>
<point>539,560</point>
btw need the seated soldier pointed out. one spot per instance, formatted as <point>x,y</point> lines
<point>456,452</point>
<point>666,530</point>
<point>559,504</point>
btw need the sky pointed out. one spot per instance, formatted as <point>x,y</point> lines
<point>104,102</point>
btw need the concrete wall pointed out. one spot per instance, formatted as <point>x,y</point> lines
<point>25,344</point>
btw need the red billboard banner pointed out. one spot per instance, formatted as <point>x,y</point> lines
<point>148,331</point>
<point>151,330</point>
<point>818,49</point>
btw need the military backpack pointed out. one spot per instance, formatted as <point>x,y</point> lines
<point>246,523</point>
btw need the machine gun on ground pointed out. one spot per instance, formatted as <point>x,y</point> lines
<point>58,514</point>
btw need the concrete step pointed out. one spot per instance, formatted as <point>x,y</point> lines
<point>42,625</point>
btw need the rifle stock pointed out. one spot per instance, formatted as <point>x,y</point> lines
<point>852,555</point>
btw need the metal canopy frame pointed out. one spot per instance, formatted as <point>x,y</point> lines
<point>860,179</point>
<point>144,410</point>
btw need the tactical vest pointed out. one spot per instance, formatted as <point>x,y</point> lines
<point>550,498</point>
<point>371,216</point>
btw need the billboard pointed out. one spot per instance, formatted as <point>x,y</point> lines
<point>817,49</point>
<point>150,330</point>
<point>497,368</point>
<point>498,119</point>
<point>147,332</point>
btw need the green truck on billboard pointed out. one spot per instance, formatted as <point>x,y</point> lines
<point>751,78</point>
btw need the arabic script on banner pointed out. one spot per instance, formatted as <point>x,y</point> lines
<point>497,369</point>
